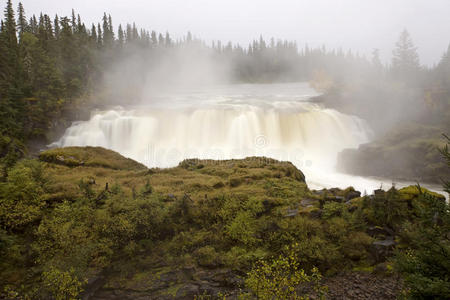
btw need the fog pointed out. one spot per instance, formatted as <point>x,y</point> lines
<point>350,24</point>
<point>334,82</point>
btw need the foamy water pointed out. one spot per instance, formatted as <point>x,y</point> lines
<point>276,121</point>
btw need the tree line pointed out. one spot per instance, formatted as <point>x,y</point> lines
<point>48,63</point>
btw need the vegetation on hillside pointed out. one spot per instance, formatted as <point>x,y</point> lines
<point>65,223</point>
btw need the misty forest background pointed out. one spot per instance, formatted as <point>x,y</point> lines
<point>53,67</point>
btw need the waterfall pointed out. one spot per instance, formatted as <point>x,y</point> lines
<point>304,133</point>
<point>277,121</point>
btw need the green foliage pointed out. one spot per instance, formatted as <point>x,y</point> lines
<point>283,278</point>
<point>62,285</point>
<point>207,256</point>
<point>21,195</point>
<point>334,209</point>
<point>425,260</point>
<point>74,220</point>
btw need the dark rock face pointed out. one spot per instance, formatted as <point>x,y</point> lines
<point>184,283</point>
<point>396,156</point>
<point>351,285</point>
<point>352,195</point>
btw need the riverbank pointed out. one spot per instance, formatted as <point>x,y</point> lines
<point>194,229</point>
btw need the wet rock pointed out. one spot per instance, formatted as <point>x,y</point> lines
<point>385,243</point>
<point>188,291</point>
<point>307,202</point>
<point>317,213</point>
<point>381,249</point>
<point>352,195</point>
<point>291,213</point>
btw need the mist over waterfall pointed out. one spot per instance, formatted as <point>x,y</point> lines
<point>277,121</point>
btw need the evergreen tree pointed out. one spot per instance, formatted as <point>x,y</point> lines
<point>99,36</point>
<point>160,40</point>
<point>9,37</point>
<point>121,36</point>
<point>135,33</point>
<point>154,39</point>
<point>168,41</point>
<point>108,37</point>
<point>56,26</point>
<point>129,34</point>
<point>73,22</point>
<point>22,23</point>
<point>405,60</point>
<point>93,36</point>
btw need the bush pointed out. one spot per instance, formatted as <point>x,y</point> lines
<point>62,285</point>
<point>333,209</point>
<point>207,256</point>
<point>21,201</point>
<point>282,278</point>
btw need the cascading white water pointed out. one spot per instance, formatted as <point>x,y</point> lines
<point>163,137</point>
<point>231,122</point>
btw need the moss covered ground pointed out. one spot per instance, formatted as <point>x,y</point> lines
<point>79,214</point>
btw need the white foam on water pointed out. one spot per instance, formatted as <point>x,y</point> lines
<point>233,122</point>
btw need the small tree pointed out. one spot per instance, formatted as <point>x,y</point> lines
<point>282,278</point>
<point>426,261</point>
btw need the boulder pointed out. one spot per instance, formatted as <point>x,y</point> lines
<point>381,249</point>
<point>291,213</point>
<point>188,291</point>
<point>307,202</point>
<point>352,195</point>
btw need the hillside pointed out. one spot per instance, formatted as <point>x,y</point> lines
<point>87,220</point>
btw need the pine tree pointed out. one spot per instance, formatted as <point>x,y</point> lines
<point>135,33</point>
<point>33,25</point>
<point>168,41</point>
<point>93,36</point>
<point>9,34</point>
<point>21,20</point>
<point>56,27</point>
<point>121,35</point>
<point>74,22</point>
<point>111,29</point>
<point>154,39</point>
<point>129,35</point>
<point>99,36</point>
<point>405,60</point>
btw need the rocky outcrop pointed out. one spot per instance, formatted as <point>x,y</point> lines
<point>183,283</point>
<point>408,153</point>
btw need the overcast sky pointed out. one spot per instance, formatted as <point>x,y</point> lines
<point>361,25</point>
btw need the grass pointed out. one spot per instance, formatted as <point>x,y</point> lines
<point>260,177</point>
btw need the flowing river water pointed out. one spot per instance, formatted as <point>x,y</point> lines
<point>280,121</point>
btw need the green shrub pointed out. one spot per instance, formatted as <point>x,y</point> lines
<point>283,278</point>
<point>62,285</point>
<point>207,256</point>
<point>21,196</point>
<point>333,209</point>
